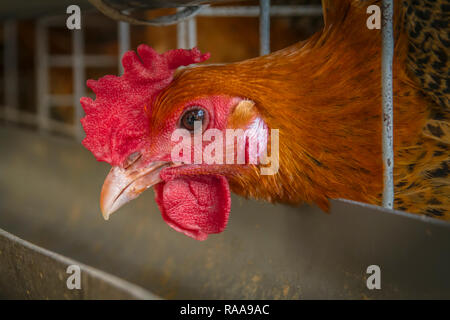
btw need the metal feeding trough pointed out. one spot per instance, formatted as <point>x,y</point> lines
<point>49,191</point>
<point>31,272</point>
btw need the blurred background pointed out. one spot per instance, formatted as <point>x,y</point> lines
<point>44,66</point>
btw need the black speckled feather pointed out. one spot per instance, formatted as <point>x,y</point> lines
<point>424,178</point>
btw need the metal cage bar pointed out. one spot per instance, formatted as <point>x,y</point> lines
<point>181,35</point>
<point>192,32</point>
<point>388,105</point>
<point>124,41</point>
<point>264,27</point>
<point>254,11</point>
<point>78,61</point>
<point>187,34</point>
<point>11,73</point>
<point>79,79</point>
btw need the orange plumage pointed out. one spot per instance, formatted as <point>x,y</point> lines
<point>324,96</point>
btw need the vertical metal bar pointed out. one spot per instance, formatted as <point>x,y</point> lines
<point>78,79</point>
<point>124,41</point>
<point>181,35</point>
<point>192,32</point>
<point>387,100</point>
<point>10,63</point>
<point>41,67</point>
<point>264,27</point>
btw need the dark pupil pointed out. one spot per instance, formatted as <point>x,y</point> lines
<point>191,116</point>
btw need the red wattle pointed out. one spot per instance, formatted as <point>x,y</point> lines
<point>195,205</point>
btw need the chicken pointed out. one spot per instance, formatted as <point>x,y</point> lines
<point>323,96</point>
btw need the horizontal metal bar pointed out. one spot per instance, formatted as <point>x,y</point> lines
<point>253,11</point>
<point>60,100</point>
<point>235,11</point>
<point>28,118</point>
<point>89,61</point>
<point>54,20</point>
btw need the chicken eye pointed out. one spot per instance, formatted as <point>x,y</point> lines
<point>191,116</point>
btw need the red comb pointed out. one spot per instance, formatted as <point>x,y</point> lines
<point>116,123</point>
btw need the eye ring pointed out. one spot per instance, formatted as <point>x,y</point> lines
<point>193,114</point>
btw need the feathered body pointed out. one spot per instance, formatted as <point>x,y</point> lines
<point>324,96</point>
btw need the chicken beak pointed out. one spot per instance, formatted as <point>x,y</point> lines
<point>125,184</point>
